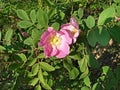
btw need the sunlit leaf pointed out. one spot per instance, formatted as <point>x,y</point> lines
<point>97,86</point>
<point>40,76</point>
<point>24,24</point>
<point>46,86</point>
<point>23,57</point>
<point>73,73</point>
<point>42,18</point>
<point>22,14</point>
<point>38,87</point>
<point>41,55</point>
<point>31,62</point>
<point>56,26</point>
<point>35,69</point>
<point>2,48</point>
<point>34,81</point>
<point>35,36</point>
<point>117,1</point>
<point>29,41</point>
<point>33,16</point>
<point>84,74</point>
<point>90,22</point>
<point>0,35</point>
<point>85,88</point>
<point>8,36</point>
<point>49,3</point>
<point>46,66</point>
<point>106,15</point>
<point>80,13</point>
<point>87,81</point>
<point>105,69</point>
<point>83,63</point>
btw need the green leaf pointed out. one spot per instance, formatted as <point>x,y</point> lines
<point>84,88</point>
<point>97,86</point>
<point>117,1</point>
<point>2,48</point>
<point>0,35</point>
<point>47,67</point>
<point>118,10</point>
<point>35,69</point>
<point>74,55</point>
<point>83,63</point>
<point>67,65</point>
<point>29,41</point>
<point>87,81</point>
<point>33,16</point>
<point>42,18</point>
<point>50,82</point>
<point>73,73</point>
<point>38,87</point>
<point>49,3</point>
<point>8,36</point>
<point>90,22</point>
<point>33,82</point>
<point>92,37</point>
<point>46,86</point>
<point>105,15</point>
<point>41,55</point>
<point>32,62</point>
<point>35,36</point>
<point>56,25</point>
<point>62,15</point>
<point>22,14</point>
<point>52,12</point>
<point>115,33</point>
<point>22,56</point>
<point>24,24</point>
<point>84,74</point>
<point>103,37</point>
<point>14,66</point>
<point>80,13</point>
<point>92,62</point>
<point>40,76</point>
<point>105,69</point>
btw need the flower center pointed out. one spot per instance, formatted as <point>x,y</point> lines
<point>55,40</point>
<point>74,30</point>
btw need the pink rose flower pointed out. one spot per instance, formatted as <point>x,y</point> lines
<point>54,43</point>
<point>71,28</point>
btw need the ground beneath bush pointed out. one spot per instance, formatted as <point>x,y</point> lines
<point>109,55</point>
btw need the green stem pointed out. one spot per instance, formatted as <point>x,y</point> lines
<point>71,2</point>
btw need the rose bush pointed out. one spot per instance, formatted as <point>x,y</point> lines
<point>50,45</point>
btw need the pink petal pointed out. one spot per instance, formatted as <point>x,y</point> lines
<point>39,44</point>
<point>47,50</point>
<point>67,27</point>
<point>66,36</point>
<point>54,51</point>
<point>74,22</point>
<point>63,50</point>
<point>46,35</point>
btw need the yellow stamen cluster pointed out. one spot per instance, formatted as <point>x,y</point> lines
<point>55,40</point>
<point>74,30</point>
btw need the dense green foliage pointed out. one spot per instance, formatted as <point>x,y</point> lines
<point>22,63</point>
